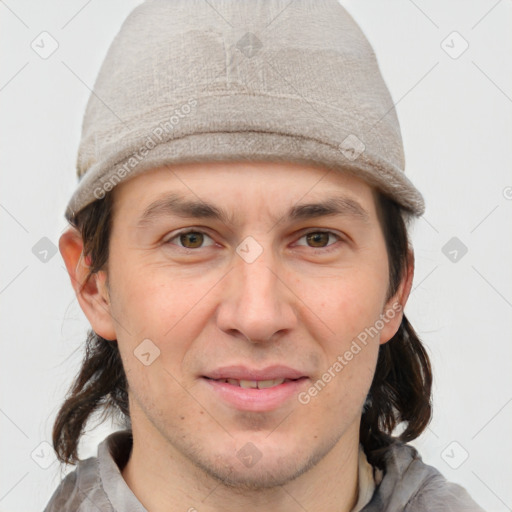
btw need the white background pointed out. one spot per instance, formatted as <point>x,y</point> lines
<point>456,122</point>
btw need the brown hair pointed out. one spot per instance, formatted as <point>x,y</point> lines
<point>400,394</point>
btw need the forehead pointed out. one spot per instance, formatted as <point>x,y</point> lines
<point>226,190</point>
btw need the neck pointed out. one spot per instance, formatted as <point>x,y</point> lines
<point>163,479</point>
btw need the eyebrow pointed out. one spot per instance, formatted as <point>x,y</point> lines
<point>177,205</point>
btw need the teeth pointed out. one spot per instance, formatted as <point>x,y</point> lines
<point>248,384</point>
<point>254,384</point>
<point>262,384</point>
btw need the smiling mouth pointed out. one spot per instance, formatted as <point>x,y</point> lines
<point>253,392</point>
<point>254,384</point>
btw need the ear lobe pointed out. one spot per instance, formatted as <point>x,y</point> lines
<point>91,291</point>
<point>394,308</point>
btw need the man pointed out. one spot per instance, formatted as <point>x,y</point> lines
<point>238,244</point>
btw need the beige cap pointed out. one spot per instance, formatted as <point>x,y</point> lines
<point>223,80</point>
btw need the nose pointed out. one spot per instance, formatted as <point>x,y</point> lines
<point>257,302</point>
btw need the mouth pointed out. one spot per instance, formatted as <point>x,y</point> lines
<point>255,384</point>
<point>245,374</point>
<point>255,390</point>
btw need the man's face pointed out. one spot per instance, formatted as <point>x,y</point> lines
<point>257,297</point>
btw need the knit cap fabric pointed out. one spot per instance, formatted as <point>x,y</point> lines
<point>236,80</point>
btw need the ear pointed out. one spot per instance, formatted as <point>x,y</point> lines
<point>393,311</point>
<point>92,293</point>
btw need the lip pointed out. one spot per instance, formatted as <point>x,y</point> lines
<point>240,372</point>
<point>256,400</point>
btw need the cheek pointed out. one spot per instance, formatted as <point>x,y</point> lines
<point>336,397</point>
<point>155,300</point>
<point>351,306</point>
<point>154,309</point>
<point>348,303</point>
<point>153,303</point>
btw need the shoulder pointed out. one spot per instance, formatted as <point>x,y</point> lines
<point>410,485</point>
<point>80,491</point>
<point>96,485</point>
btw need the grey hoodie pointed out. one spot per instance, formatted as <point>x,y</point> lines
<point>407,485</point>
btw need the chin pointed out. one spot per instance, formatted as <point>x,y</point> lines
<point>267,475</point>
<point>269,468</point>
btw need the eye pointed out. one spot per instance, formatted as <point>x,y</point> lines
<point>189,239</point>
<point>320,239</point>
<point>194,239</point>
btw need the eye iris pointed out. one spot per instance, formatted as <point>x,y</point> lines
<point>194,237</point>
<point>317,238</point>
